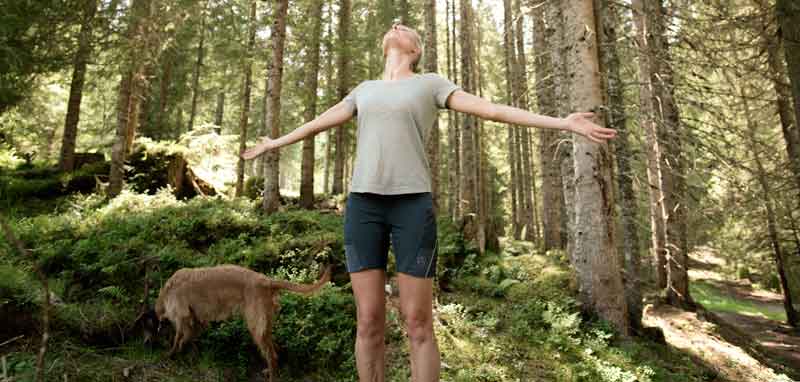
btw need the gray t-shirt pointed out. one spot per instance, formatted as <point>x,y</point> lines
<point>394,118</point>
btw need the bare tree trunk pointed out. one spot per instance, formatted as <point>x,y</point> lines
<point>246,88</point>
<point>311,84</point>
<point>130,88</point>
<point>526,177</point>
<point>220,111</point>
<point>510,58</point>
<point>454,135</point>
<point>673,184</point>
<point>163,93</point>
<point>67,159</point>
<point>272,193</point>
<point>343,65</point>
<point>197,67</point>
<point>552,199</point>
<point>330,135</point>
<point>596,259</point>
<point>431,65</point>
<point>654,155</point>
<point>608,21</point>
<point>469,197</point>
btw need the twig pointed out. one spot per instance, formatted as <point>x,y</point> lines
<point>45,307</point>
<point>12,340</point>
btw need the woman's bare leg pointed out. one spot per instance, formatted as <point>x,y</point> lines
<point>368,289</point>
<point>416,303</point>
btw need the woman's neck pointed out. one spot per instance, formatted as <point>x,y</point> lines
<point>397,66</point>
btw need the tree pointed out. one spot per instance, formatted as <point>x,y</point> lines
<point>130,88</point>
<point>469,181</point>
<point>608,21</point>
<point>552,199</point>
<point>246,89</point>
<point>431,65</point>
<point>311,75</point>
<point>595,257</point>
<point>343,63</point>
<point>197,67</point>
<point>773,45</point>
<point>271,185</point>
<point>67,159</point>
<point>788,14</point>
<point>510,64</point>
<point>33,42</point>
<point>526,176</point>
<point>655,160</point>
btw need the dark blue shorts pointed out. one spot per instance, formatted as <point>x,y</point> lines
<point>408,220</point>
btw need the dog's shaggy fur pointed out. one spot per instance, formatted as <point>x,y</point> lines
<point>193,297</point>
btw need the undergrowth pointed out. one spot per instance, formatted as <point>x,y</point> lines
<point>510,316</point>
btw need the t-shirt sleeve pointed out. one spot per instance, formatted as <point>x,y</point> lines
<point>351,98</point>
<point>442,88</point>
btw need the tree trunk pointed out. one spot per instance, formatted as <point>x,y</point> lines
<point>163,93</point>
<point>454,136</point>
<point>343,64</point>
<point>654,156</point>
<point>67,159</point>
<point>130,87</point>
<point>552,200</point>
<point>526,176</point>
<point>788,14</point>
<point>596,259</point>
<point>469,197</point>
<point>510,57</point>
<point>311,84</point>
<point>777,250</point>
<point>608,20</point>
<point>272,193</point>
<point>330,135</point>
<point>198,65</point>
<point>791,135</point>
<point>673,184</point>
<point>433,139</point>
<point>219,112</point>
<point>246,88</point>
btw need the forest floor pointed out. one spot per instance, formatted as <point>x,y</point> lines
<point>739,331</point>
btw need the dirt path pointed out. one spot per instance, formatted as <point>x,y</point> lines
<point>740,346</point>
<point>780,342</point>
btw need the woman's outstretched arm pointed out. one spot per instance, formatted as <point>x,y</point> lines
<point>335,116</point>
<point>579,123</point>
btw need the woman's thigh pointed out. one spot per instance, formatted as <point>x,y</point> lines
<point>368,289</point>
<point>416,298</point>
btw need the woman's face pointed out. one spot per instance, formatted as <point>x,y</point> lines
<point>400,37</point>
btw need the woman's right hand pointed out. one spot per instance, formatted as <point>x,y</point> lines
<point>265,145</point>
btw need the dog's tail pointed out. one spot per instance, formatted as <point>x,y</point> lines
<point>304,288</point>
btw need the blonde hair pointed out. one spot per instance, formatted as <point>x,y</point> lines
<point>418,41</point>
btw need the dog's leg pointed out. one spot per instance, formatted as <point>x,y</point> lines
<point>176,341</point>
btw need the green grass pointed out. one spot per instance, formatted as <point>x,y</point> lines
<point>712,298</point>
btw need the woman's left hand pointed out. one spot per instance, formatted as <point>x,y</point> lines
<point>581,123</point>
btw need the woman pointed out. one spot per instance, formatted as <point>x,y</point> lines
<point>390,195</point>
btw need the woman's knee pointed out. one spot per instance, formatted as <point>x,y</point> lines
<point>371,324</point>
<point>419,326</point>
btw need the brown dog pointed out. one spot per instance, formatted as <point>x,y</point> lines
<point>193,297</point>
